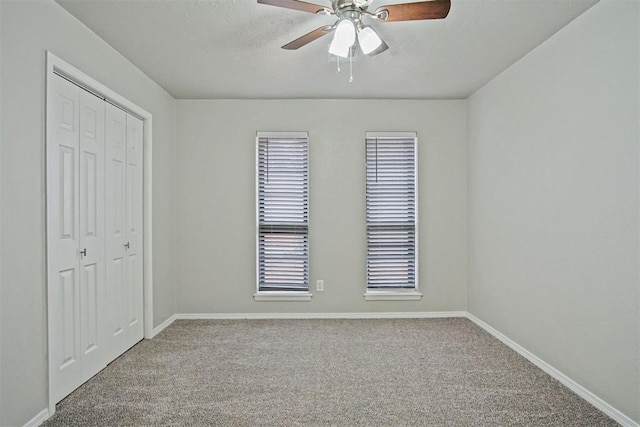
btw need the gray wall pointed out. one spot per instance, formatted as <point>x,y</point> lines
<point>553,203</point>
<point>215,194</point>
<point>28,28</point>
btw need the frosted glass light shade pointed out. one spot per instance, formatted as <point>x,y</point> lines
<point>369,40</point>
<point>343,39</point>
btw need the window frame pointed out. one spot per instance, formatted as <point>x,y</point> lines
<point>395,294</point>
<point>279,295</point>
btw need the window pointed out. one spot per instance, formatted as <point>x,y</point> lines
<point>282,175</point>
<point>391,196</point>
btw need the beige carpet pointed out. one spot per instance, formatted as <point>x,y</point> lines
<point>430,372</point>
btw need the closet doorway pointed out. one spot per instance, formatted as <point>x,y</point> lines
<point>98,149</point>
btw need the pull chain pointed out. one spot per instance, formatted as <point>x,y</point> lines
<point>338,62</point>
<point>350,67</point>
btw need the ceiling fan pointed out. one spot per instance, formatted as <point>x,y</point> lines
<point>350,14</point>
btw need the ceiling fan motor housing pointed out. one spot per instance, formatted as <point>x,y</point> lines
<point>347,9</point>
<point>340,6</point>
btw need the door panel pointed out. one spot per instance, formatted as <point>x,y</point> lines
<point>91,193</point>
<point>68,319</point>
<point>134,229</point>
<point>63,235</point>
<point>132,297</point>
<point>92,235</point>
<point>118,297</point>
<point>119,199</point>
<point>68,194</point>
<point>117,273</point>
<point>89,308</point>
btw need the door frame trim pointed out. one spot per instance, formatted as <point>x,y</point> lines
<point>55,65</point>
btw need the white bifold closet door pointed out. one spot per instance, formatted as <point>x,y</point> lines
<point>124,225</point>
<point>77,247</point>
<point>95,308</point>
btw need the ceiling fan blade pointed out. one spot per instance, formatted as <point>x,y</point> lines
<point>309,37</point>
<point>433,9</point>
<point>296,5</point>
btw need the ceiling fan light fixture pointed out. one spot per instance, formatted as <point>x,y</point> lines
<point>369,40</point>
<point>350,25</point>
<point>343,39</point>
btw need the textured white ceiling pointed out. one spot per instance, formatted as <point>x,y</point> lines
<point>231,48</point>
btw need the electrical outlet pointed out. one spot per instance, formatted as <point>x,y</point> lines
<point>319,285</point>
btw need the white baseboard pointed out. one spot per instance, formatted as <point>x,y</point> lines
<point>38,419</point>
<point>368,315</point>
<point>162,326</point>
<point>568,382</point>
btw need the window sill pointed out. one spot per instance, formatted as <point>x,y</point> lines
<point>282,296</point>
<point>392,295</point>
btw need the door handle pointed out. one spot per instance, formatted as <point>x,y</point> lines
<point>83,252</point>
<point>126,246</point>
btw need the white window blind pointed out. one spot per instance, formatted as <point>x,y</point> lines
<point>391,211</point>
<point>283,211</point>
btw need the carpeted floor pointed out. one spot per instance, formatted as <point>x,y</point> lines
<point>392,372</point>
